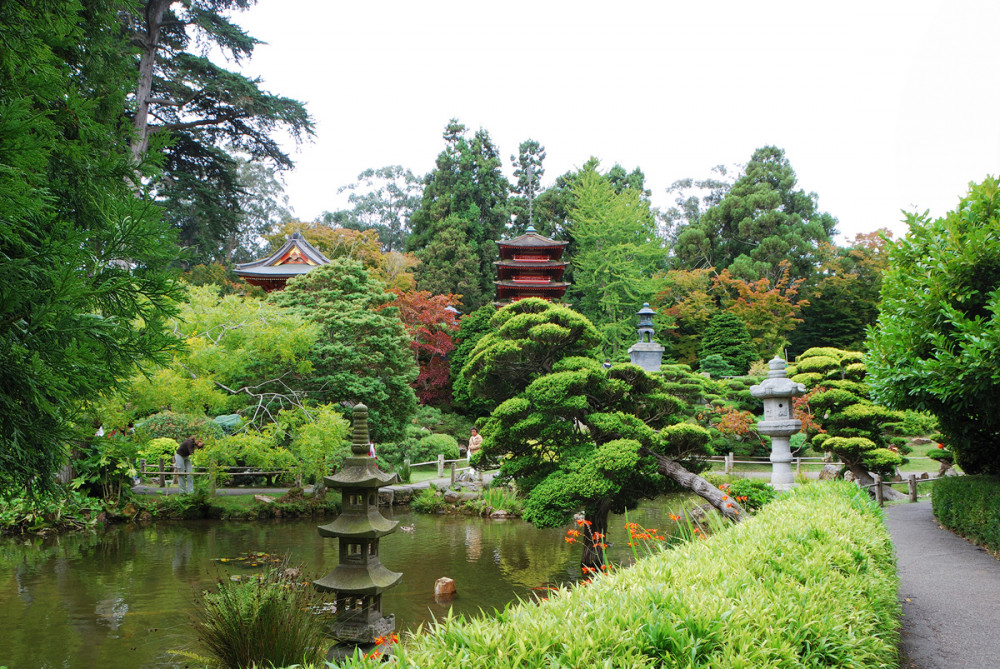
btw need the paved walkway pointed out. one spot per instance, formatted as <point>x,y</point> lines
<point>950,592</point>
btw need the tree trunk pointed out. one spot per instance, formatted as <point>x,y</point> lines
<point>148,38</point>
<point>594,534</point>
<point>726,505</point>
<point>866,481</point>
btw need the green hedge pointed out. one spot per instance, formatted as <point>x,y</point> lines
<point>970,507</point>
<point>808,582</point>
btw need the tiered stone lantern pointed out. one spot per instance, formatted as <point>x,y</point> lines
<point>360,578</point>
<point>778,391</point>
<point>646,353</point>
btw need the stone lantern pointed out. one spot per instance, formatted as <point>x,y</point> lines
<point>646,353</point>
<point>778,391</point>
<point>360,578</point>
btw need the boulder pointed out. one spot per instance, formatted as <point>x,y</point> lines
<point>920,441</point>
<point>263,499</point>
<point>849,476</point>
<point>498,514</point>
<point>829,472</point>
<point>444,588</point>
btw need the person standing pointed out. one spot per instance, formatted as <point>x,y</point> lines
<point>475,442</point>
<point>182,463</point>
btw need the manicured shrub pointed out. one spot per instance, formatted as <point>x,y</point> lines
<point>970,507</point>
<point>178,426</point>
<point>808,582</point>
<point>161,447</point>
<point>727,336</point>
<point>429,447</point>
<point>752,494</point>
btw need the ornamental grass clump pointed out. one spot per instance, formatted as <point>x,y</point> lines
<point>261,620</point>
<point>810,581</point>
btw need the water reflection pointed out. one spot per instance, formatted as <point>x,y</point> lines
<point>125,597</point>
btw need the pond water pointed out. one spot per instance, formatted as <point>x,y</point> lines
<point>125,597</point>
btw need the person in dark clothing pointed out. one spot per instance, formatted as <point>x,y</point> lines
<point>182,463</point>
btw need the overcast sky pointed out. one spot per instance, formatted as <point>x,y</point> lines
<point>879,105</point>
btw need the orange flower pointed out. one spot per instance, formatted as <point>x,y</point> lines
<point>573,533</point>
<point>674,517</point>
<point>725,497</point>
<point>598,535</point>
<point>729,505</point>
<point>696,530</point>
<point>570,540</point>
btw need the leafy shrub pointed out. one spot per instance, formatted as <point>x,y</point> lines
<point>428,500</point>
<point>752,494</point>
<point>161,447</point>
<point>716,366</point>
<point>830,600</point>
<point>969,506</point>
<point>261,621</point>
<point>178,426</point>
<point>430,446</point>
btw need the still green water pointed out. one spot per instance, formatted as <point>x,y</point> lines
<point>124,597</point>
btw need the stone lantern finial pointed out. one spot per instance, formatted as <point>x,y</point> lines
<point>359,444</point>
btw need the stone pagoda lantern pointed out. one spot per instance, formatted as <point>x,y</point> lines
<point>646,353</point>
<point>778,391</point>
<point>359,578</point>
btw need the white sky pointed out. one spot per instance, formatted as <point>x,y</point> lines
<point>879,105</point>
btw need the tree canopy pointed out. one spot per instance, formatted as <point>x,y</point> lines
<point>760,221</point>
<point>936,346</point>
<point>85,292</point>
<point>363,354</point>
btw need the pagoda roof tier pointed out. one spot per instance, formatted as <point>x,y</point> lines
<point>358,579</point>
<point>359,473</point>
<point>531,239</point>
<point>524,264</point>
<point>533,285</point>
<point>296,256</point>
<point>370,525</point>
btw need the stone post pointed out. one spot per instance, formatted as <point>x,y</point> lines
<point>777,392</point>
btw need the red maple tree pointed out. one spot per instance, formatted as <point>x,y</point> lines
<point>430,320</point>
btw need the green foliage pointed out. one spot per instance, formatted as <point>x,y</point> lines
<point>105,467</point>
<point>471,328</point>
<point>860,432</point>
<point>178,426</point>
<point>936,347</point>
<point>525,340</point>
<point>265,620</point>
<point>462,213</point>
<point>64,509</point>
<point>752,494</point>
<point>722,602</point>
<point>429,447</point>
<point>727,337</point>
<point>969,506</point>
<point>317,437</point>
<point>759,222</point>
<point>617,252</point>
<point>159,447</point>
<point>716,366</point>
<point>86,283</point>
<point>428,500</point>
<point>210,117</point>
<point>363,354</point>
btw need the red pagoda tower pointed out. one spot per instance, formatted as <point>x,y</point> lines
<point>296,256</point>
<point>530,266</point>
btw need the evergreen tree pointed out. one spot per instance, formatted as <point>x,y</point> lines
<point>206,115</point>
<point>85,290</point>
<point>616,254</point>
<point>528,172</point>
<point>727,336</point>
<point>760,221</point>
<point>363,354</point>
<point>384,199</point>
<point>463,212</point>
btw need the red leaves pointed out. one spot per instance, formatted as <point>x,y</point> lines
<point>430,323</point>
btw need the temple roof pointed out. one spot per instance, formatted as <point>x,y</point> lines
<point>531,239</point>
<point>519,264</point>
<point>361,579</point>
<point>532,285</point>
<point>296,256</point>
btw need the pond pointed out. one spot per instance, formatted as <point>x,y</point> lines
<point>125,597</point>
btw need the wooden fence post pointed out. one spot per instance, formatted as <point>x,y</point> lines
<point>453,473</point>
<point>911,481</point>
<point>878,490</point>
<point>163,478</point>
<point>440,465</point>
<point>798,466</point>
<point>729,463</point>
